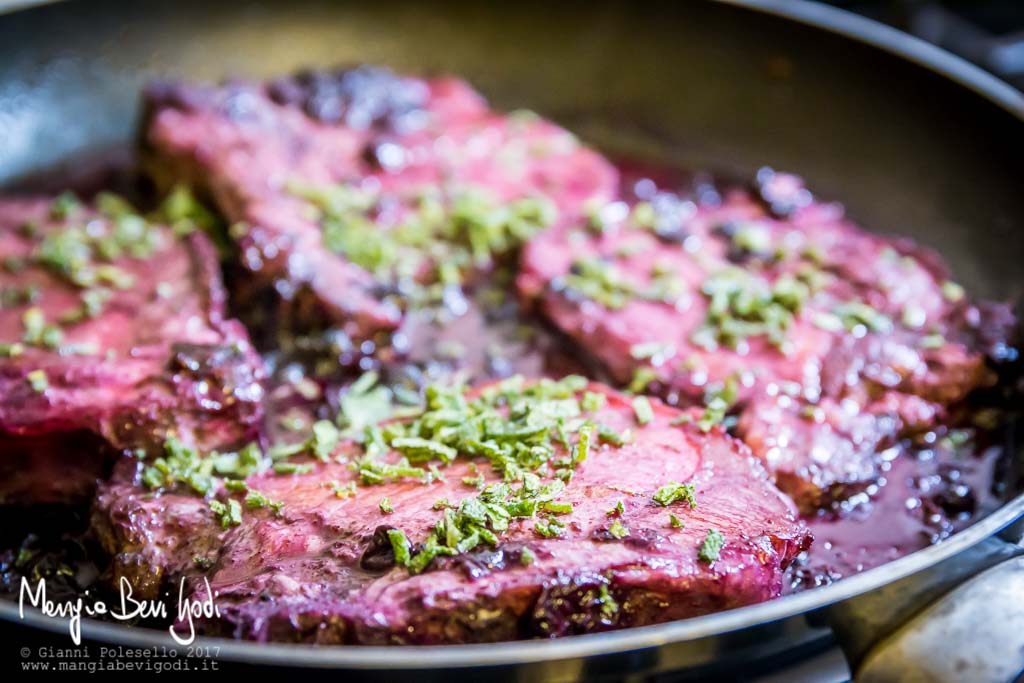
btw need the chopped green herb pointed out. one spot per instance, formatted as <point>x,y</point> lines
<point>583,439</point>
<point>652,350</point>
<point>444,236</point>
<point>230,514</point>
<point>592,401</point>
<point>674,521</point>
<point>240,465</point>
<point>673,492</point>
<point>476,482</point>
<point>643,215</point>
<point>599,281</point>
<point>857,313</point>
<point>256,500</point>
<point>618,530</point>
<point>527,557</point>
<point>400,545</point>
<point>642,409</point>
<point>742,305</point>
<point>711,548</point>
<point>549,527</point>
<point>830,322</point>
<point>38,381</point>
<point>81,254</point>
<point>29,230</point>
<point>435,474</point>
<point>751,238</point>
<point>421,450</point>
<point>92,304</point>
<point>284,451</point>
<point>180,464</point>
<point>292,468</point>
<point>325,438</point>
<point>374,471</point>
<point>952,292</point>
<point>64,206</point>
<point>718,399</point>
<point>185,214</point>
<point>617,510</point>
<point>609,608</point>
<point>956,438</point>
<point>11,350</point>
<point>34,322</point>
<point>556,507</point>
<point>341,490</point>
<point>642,378</point>
<point>52,337</point>
<point>112,205</point>
<point>14,296</point>
<point>365,404</point>
<point>385,506</point>
<point>606,434</point>
<point>517,427</point>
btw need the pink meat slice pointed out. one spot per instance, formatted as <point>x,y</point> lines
<point>364,129</point>
<point>302,569</point>
<point>918,342</point>
<point>159,358</point>
<point>304,575</point>
<point>825,453</point>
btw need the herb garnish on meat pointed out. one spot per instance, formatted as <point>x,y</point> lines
<point>437,239</point>
<point>518,428</point>
<point>673,492</point>
<point>711,548</point>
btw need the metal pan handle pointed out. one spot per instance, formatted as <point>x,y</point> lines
<point>971,625</point>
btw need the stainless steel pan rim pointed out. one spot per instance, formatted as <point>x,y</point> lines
<point>574,647</point>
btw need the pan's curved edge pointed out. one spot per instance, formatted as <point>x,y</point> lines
<point>894,42</point>
<point>816,15</point>
<point>8,6</point>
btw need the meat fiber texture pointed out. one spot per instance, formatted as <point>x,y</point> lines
<point>321,569</point>
<point>838,341</point>
<point>351,188</point>
<point>137,348</point>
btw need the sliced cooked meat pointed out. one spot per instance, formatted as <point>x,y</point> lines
<point>319,551</point>
<point>696,293</point>
<point>357,193</point>
<point>114,337</point>
<point>689,297</point>
<point>827,452</point>
<point>862,368</point>
<point>152,539</point>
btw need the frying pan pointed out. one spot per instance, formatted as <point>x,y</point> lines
<point>913,140</point>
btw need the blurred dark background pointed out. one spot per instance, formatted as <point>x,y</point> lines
<point>989,33</point>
